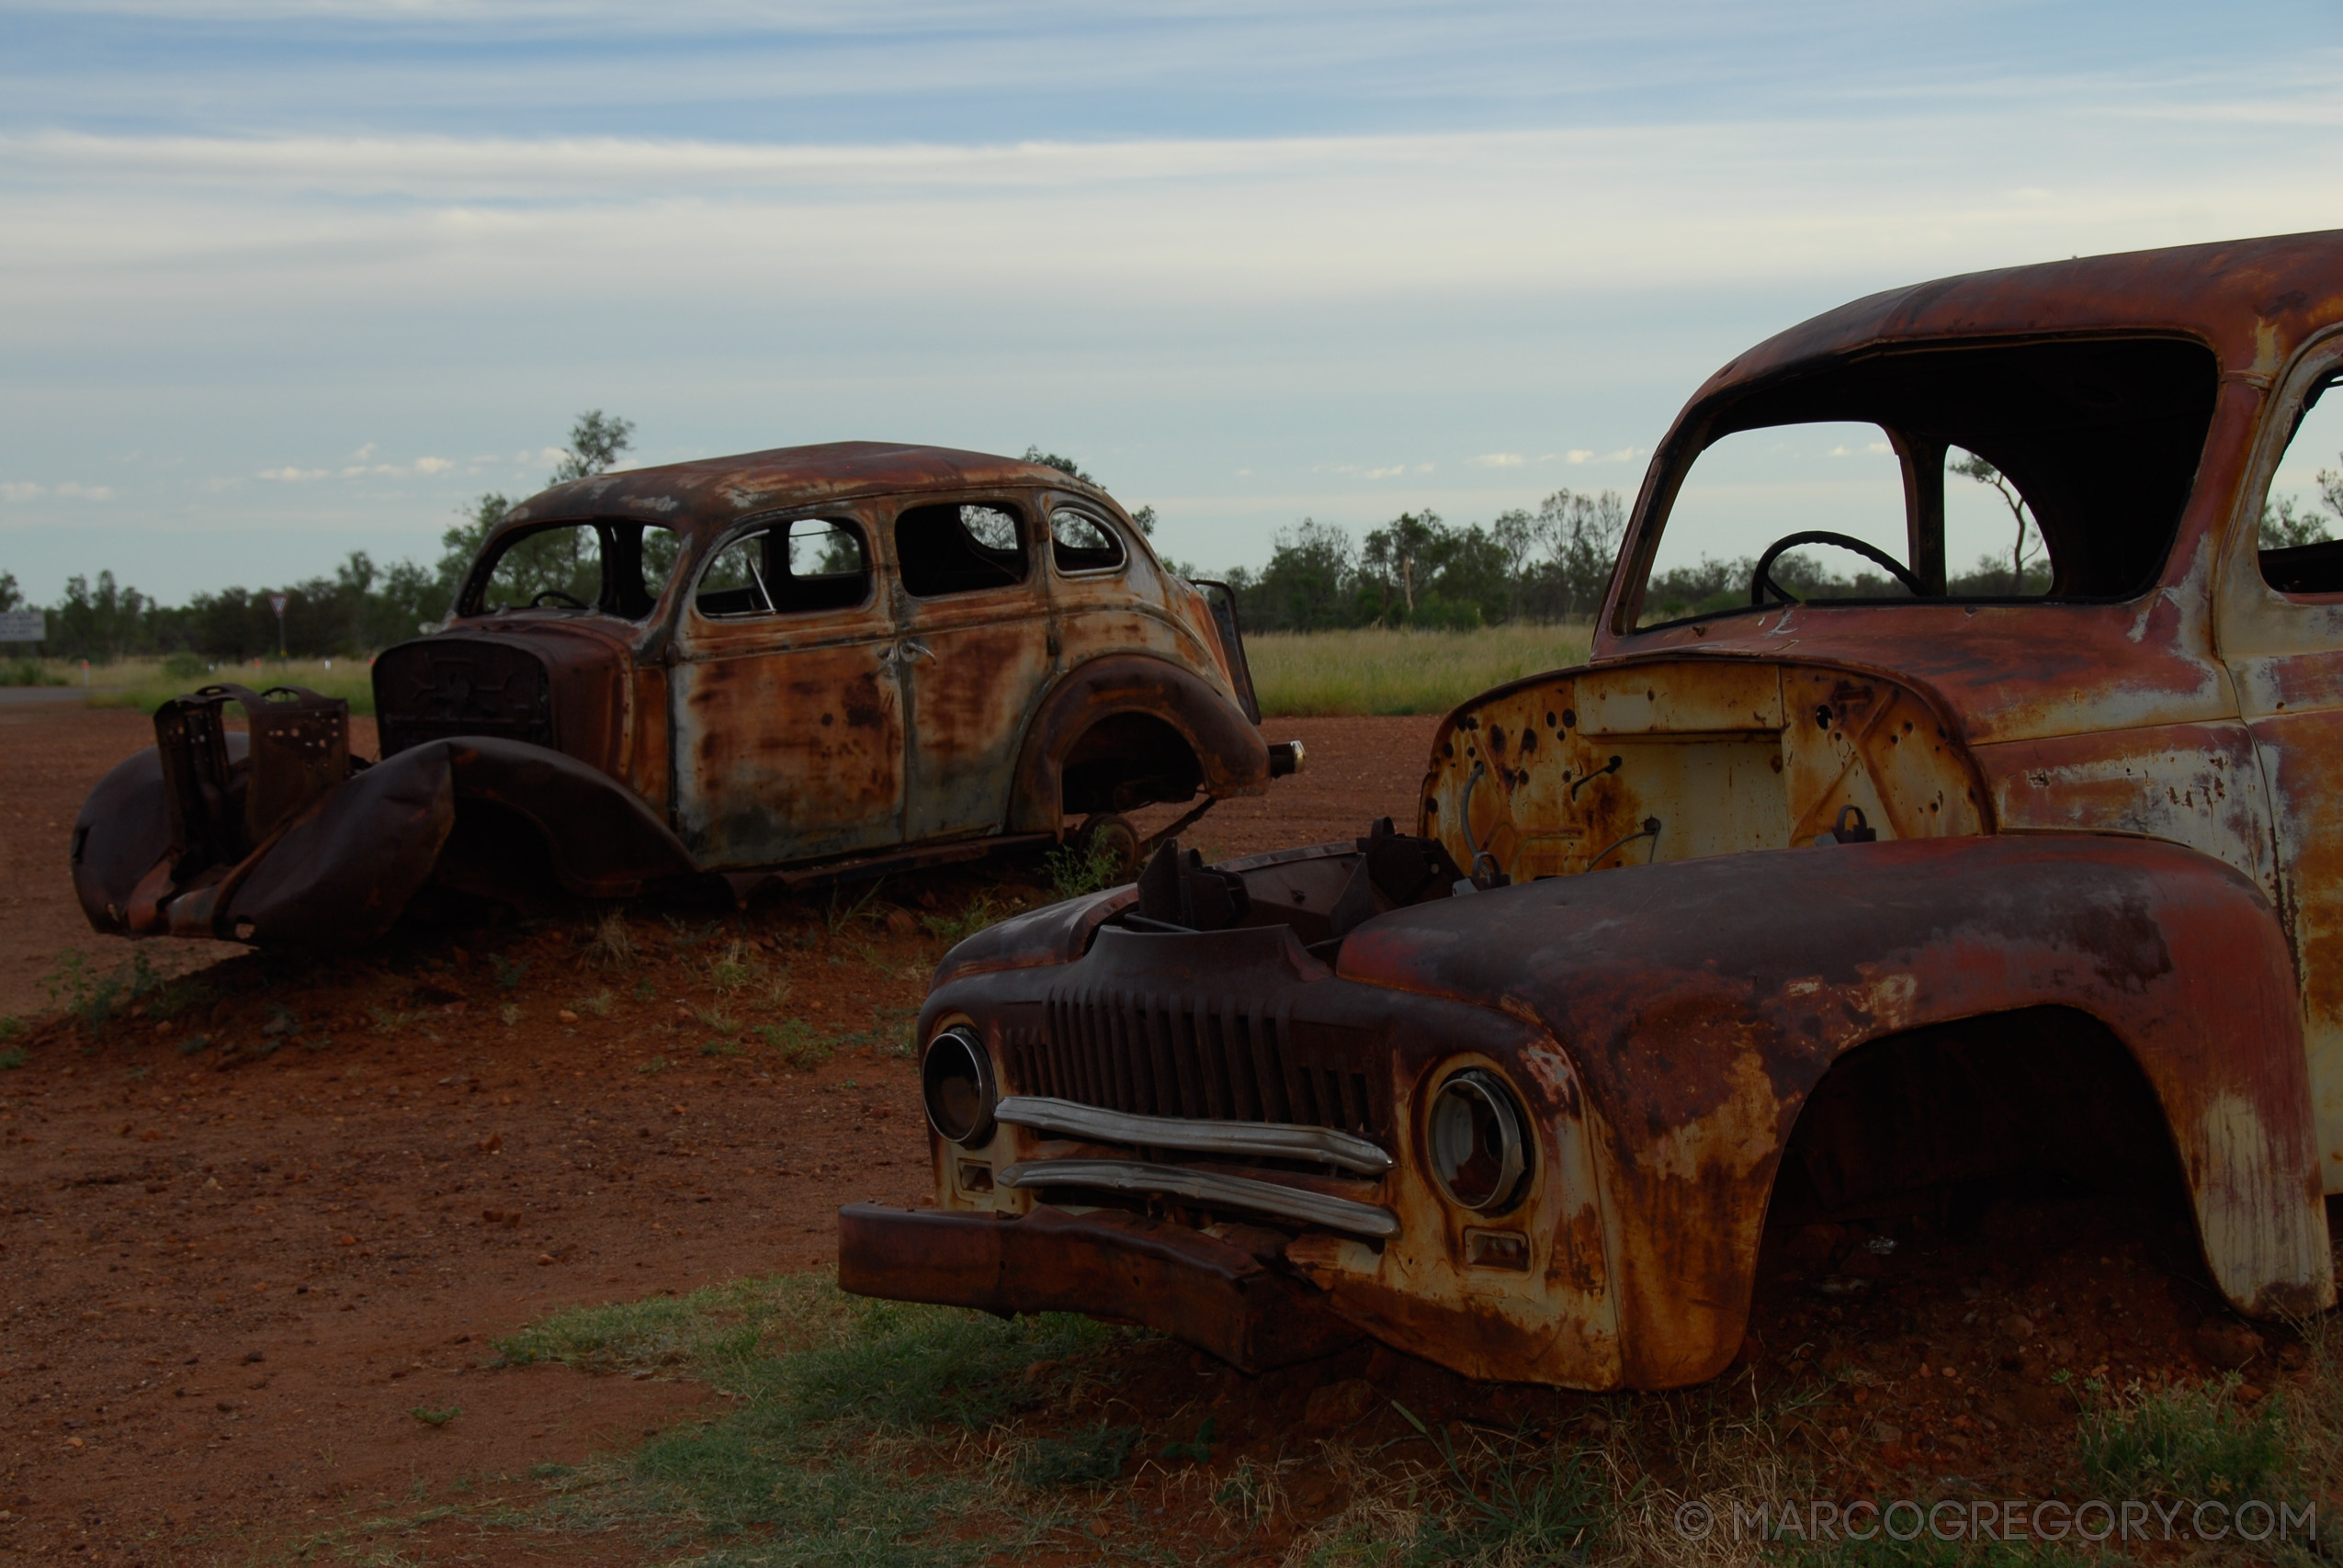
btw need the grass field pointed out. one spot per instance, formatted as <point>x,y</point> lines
<point>1309,675</point>
<point>1317,674</point>
<point>146,683</point>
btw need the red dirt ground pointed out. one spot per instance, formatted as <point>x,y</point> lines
<point>243,1243</point>
<point>233,1270</point>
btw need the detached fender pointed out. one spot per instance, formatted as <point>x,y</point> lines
<point>1228,749</point>
<point>341,872</point>
<point>1704,1000</point>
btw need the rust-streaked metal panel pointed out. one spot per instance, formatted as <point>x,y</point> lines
<point>1213,1290</point>
<point>1564,773</point>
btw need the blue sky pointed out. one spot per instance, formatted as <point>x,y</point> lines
<point>278,281</point>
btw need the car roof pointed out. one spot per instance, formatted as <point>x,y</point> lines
<point>2252,300</point>
<point>709,492</point>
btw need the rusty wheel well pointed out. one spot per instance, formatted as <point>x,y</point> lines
<point>1126,761</point>
<point>1925,1121</point>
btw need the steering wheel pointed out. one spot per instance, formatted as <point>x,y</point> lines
<point>1763,589</point>
<point>572,602</point>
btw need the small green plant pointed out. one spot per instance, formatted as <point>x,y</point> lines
<point>595,1006</point>
<point>510,1013</point>
<point>185,666</point>
<point>732,968</point>
<point>553,1472</point>
<point>386,1022</point>
<point>2181,1442</point>
<point>717,1018</point>
<point>797,1044</point>
<point>73,987</point>
<point>1082,1458</point>
<point>1198,1448</point>
<point>720,1048</point>
<point>644,991</point>
<point>11,1026</point>
<point>972,917</point>
<point>193,1043</point>
<point>1076,869</point>
<point>655,1065</point>
<point>681,936</point>
<point>12,1057</point>
<point>509,972</point>
<point>436,1417</point>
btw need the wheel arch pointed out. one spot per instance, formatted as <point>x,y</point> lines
<point>1706,1002</point>
<point>1229,754</point>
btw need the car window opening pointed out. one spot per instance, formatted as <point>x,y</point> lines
<point>958,548</point>
<point>1968,473</point>
<point>2300,553</point>
<point>1079,542</point>
<point>806,565</point>
<point>610,566</point>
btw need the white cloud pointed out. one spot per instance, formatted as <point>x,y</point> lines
<point>1582,455</point>
<point>433,465</point>
<point>289,475</point>
<point>69,490</point>
<point>1498,460</point>
<point>1394,470</point>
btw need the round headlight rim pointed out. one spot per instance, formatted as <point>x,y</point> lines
<point>963,1039</point>
<point>1516,1167</point>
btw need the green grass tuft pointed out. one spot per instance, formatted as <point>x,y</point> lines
<point>844,1414</point>
<point>2182,1441</point>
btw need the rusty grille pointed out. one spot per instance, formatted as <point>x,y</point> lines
<point>1156,1053</point>
<point>445,686</point>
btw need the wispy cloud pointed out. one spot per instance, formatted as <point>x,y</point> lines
<point>69,490</point>
<point>1498,460</point>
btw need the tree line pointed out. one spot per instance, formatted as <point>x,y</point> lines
<point>1551,564</point>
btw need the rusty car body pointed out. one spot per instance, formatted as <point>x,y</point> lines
<point>1785,912</point>
<point>777,669</point>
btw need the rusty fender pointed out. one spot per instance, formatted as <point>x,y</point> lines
<point>340,872</point>
<point>1222,1294</point>
<point>1233,757</point>
<point>1702,1000</point>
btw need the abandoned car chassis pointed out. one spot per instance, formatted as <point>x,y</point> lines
<point>1789,911</point>
<point>780,669</point>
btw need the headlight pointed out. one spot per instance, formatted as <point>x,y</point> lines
<point>956,1079</point>
<point>1479,1144</point>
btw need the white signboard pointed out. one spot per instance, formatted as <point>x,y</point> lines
<point>24,625</point>
<point>276,602</point>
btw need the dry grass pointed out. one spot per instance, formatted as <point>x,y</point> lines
<point>146,685</point>
<point>1313,674</point>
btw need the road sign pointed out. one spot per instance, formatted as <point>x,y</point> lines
<point>276,602</point>
<point>24,625</point>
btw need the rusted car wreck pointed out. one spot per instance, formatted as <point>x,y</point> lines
<point>1812,909</point>
<point>797,665</point>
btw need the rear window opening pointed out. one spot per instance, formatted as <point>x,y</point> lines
<point>1080,542</point>
<point>808,564</point>
<point>1995,473</point>
<point>958,548</point>
<point>610,566</point>
<point>2301,515</point>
